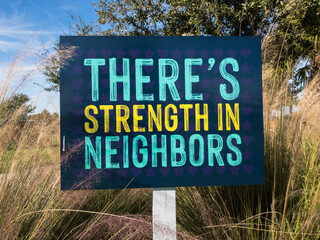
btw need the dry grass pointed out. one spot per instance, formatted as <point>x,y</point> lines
<point>286,207</point>
<point>33,207</point>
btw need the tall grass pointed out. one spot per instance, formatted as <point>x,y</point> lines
<point>286,207</point>
<point>31,203</point>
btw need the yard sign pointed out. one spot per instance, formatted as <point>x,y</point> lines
<point>142,112</point>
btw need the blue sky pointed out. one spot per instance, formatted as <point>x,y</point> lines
<point>36,24</point>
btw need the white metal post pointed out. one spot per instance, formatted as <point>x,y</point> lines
<point>164,213</point>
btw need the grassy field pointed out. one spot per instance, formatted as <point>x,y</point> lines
<point>286,207</point>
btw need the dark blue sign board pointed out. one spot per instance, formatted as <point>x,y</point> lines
<point>140,112</point>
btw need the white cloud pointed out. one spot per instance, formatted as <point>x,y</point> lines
<point>9,46</point>
<point>15,34</point>
<point>23,37</point>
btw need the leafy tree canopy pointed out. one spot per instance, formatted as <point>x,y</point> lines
<point>290,28</point>
<point>17,102</point>
<point>178,17</point>
<point>16,107</point>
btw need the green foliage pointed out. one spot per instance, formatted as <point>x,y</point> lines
<point>291,29</point>
<point>16,112</point>
<point>169,18</point>
<point>131,17</point>
<point>295,39</point>
<point>45,116</point>
<point>179,17</point>
<point>81,28</point>
<point>51,69</point>
<point>17,104</point>
<point>52,62</point>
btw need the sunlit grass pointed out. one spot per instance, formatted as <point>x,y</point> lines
<point>286,207</point>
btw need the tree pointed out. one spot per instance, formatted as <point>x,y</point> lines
<point>290,29</point>
<point>292,46</point>
<point>52,62</point>
<point>168,18</point>
<point>44,116</point>
<point>14,114</point>
<point>17,104</point>
<point>178,17</point>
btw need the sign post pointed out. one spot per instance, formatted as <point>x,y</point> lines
<point>164,213</point>
<point>161,112</point>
